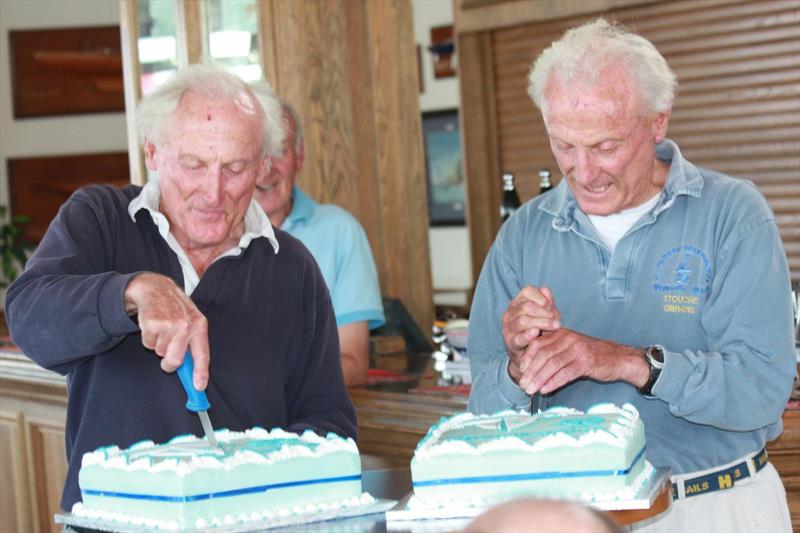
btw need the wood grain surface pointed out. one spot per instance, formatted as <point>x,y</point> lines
<point>349,70</point>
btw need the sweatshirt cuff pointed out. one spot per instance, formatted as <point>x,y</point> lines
<point>111,306</point>
<point>509,390</point>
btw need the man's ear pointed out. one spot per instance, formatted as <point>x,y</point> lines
<point>300,157</point>
<point>660,124</point>
<point>149,149</point>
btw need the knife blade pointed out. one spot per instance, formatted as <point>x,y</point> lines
<point>196,400</point>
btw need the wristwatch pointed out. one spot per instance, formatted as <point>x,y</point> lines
<point>654,356</point>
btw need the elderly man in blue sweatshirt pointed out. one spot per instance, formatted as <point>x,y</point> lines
<point>642,278</point>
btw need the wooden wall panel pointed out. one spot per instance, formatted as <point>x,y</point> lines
<point>482,15</point>
<point>738,103</point>
<point>349,70</point>
<point>479,131</point>
<point>400,156</point>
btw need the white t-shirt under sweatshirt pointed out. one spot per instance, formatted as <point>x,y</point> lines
<point>611,228</point>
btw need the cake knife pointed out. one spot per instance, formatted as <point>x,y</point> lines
<point>196,400</point>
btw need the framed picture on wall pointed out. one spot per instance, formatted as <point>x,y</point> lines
<point>446,202</point>
<point>66,71</point>
<point>39,185</point>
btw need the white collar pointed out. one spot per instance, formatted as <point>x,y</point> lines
<point>256,223</point>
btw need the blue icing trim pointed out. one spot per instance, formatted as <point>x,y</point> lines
<point>531,476</point>
<point>184,449</point>
<point>527,428</point>
<point>589,423</point>
<point>215,495</point>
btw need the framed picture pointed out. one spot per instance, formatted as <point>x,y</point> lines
<point>446,202</point>
<point>443,49</point>
<point>39,185</point>
<point>66,71</point>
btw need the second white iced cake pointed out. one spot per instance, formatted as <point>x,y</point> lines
<point>560,452</point>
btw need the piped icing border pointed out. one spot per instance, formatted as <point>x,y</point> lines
<point>431,445</point>
<point>260,517</point>
<point>307,445</point>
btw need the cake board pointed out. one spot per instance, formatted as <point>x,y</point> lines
<point>400,516</point>
<point>111,526</point>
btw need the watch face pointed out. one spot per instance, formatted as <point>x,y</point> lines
<point>656,353</point>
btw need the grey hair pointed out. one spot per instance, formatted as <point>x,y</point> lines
<point>583,53</point>
<point>298,128</point>
<point>274,129</point>
<point>210,81</point>
<point>293,121</point>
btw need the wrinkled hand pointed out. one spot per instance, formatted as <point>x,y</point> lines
<point>170,323</point>
<point>532,312</point>
<point>558,358</point>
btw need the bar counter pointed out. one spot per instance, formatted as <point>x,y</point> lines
<point>403,399</point>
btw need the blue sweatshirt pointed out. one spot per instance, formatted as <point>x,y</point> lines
<point>272,332</point>
<point>704,275</point>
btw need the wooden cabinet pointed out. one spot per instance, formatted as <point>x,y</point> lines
<point>33,463</point>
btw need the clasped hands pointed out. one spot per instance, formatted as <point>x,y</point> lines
<point>543,356</point>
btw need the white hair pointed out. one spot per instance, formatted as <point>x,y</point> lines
<point>274,126</point>
<point>583,53</point>
<point>295,125</point>
<point>289,118</point>
<point>214,82</point>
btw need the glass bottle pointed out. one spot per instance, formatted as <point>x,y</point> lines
<point>510,201</point>
<point>544,181</point>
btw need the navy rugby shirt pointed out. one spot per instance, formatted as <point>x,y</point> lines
<point>274,345</point>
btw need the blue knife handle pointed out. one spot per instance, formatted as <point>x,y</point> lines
<point>196,400</point>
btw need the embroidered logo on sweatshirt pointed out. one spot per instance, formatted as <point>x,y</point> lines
<point>682,275</point>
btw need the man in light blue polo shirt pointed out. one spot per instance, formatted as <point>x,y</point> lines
<point>338,243</point>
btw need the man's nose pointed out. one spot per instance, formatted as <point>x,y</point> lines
<point>585,169</point>
<point>212,191</point>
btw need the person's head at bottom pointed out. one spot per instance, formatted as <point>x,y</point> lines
<point>538,515</point>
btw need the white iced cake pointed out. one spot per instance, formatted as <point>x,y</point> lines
<point>469,460</point>
<point>186,484</point>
